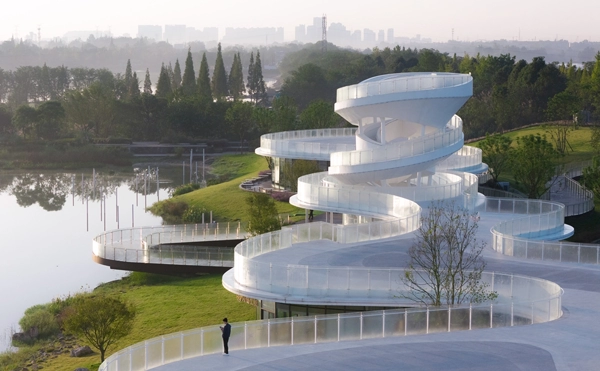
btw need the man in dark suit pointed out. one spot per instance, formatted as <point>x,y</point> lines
<point>226,330</point>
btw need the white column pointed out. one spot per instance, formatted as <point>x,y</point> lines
<point>382,123</point>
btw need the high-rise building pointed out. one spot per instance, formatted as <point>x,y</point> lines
<point>175,33</point>
<point>369,37</point>
<point>390,35</point>
<point>300,33</point>
<point>380,36</point>
<point>150,32</point>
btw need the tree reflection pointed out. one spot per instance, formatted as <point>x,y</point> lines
<point>49,191</point>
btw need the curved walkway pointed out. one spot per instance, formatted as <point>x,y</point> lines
<point>569,343</point>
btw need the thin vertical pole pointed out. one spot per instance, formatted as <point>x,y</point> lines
<point>132,217</point>
<point>104,198</point>
<point>157,185</point>
<point>183,172</point>
<point>191,156</point>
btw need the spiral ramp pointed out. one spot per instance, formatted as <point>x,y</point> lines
<point>406,152</point>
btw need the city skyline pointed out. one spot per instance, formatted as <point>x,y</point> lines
<point>465,20</point>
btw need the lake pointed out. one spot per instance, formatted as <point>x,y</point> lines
<point>47,223</point>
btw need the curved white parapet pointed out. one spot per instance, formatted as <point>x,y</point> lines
<point>398,159</point>
<point>314,144</point>
<point>467,159</point>
<point>427,98</point>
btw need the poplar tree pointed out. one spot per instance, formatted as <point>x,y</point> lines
<point>261,89</point>
<point>171,75</point>
<point>163,87</point>
<point>188,84</point>
<point>128,74</point>
<point>204,90</point>
<point>219,78</point>
<point>147,83</point>
<point>251,83</point>
<point>236,78</point>
<point>134,87</point>
<point>176,82</point>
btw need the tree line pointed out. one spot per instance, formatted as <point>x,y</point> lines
<point>186,103</point>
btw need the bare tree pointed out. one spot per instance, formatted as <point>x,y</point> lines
<point>446,265</point>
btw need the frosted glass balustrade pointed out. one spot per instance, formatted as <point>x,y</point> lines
<point>400,85</point>
<point>400,150</point>
<point>522,301</point>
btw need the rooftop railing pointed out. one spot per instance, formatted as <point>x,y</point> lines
<point>522,301</point>
<point>401,85</point>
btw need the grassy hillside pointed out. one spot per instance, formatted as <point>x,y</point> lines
<point>227,200</point>
<point>163,305</point>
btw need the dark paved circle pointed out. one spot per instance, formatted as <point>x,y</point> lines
<point>464,356</point>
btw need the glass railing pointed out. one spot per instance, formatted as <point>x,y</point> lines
<point>146,244</point>
<point>401,150</point>
<point>301,143</point>
<point>312,191</point>
<point>521,301</point>
<point>578,199</point>
<point>402,84</point>
<point>464,160</point>
<point>541,218</point>
<point>557,251</point>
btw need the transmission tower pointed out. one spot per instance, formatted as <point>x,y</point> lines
<point>324,38</point>
<point>39,29</point>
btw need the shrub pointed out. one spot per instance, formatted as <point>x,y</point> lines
<point>40,317</point>
<point>194,215</point>
<point>171,211</point>
<point>186,188</point>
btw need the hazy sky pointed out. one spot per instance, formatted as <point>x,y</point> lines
<point>435,19</point>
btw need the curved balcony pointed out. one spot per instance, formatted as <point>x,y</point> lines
<point>315,144</point>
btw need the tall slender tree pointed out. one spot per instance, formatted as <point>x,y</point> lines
<point>176,76</point>
<point>236,78</point>
<point>261,89</point>
<point>204,90</point>
<point>219,78</point>
<point>251,83</point>
<point>134,87</point>
<point>188,84</point>
<point>163,87</point>
<point>147,83</point>
<point>128,74</point>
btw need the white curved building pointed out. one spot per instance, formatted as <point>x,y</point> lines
<point>406,152</point>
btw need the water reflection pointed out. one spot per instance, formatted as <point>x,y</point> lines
<point>52,190</point>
